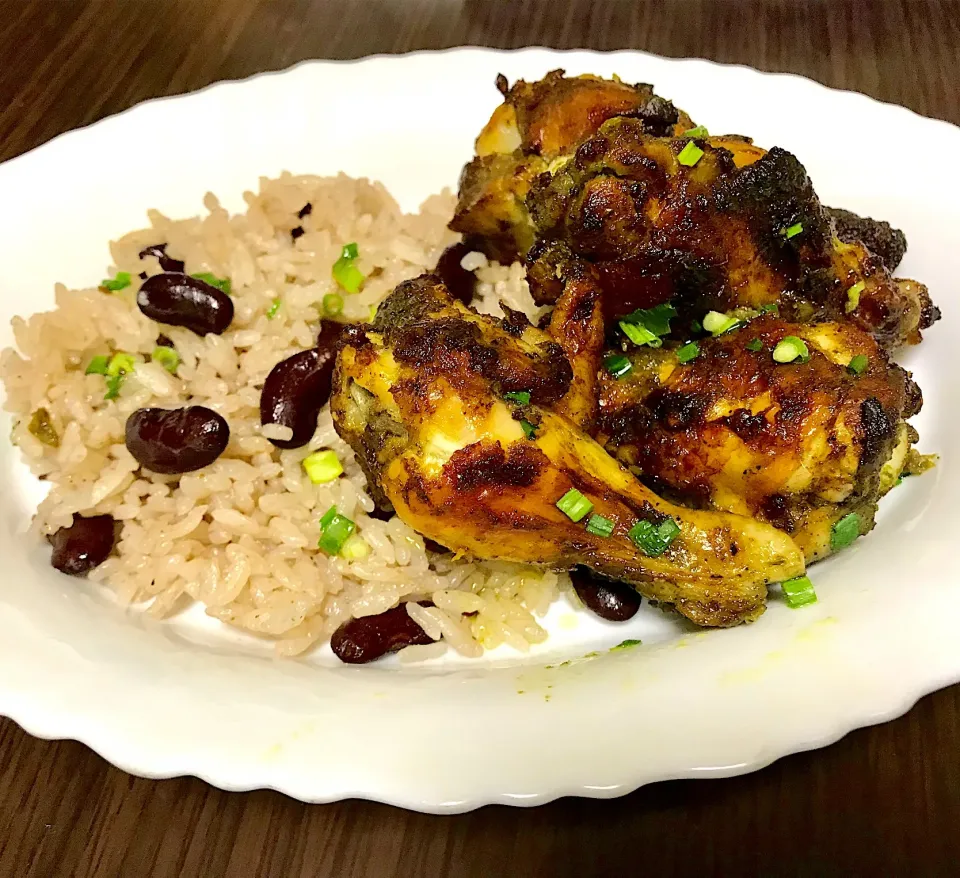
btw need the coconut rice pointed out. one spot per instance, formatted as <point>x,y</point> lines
<point>240,536</point>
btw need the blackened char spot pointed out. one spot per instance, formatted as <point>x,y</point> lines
<point>306,210</point>
<point>514,322</point>
<point>877,429</point>
<point>658,116</point>
<point>746,425</point>
<point>778,513</point>
<point>676,410</point>
<point>489,466</point>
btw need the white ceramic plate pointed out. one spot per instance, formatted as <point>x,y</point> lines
<point>186,697</point>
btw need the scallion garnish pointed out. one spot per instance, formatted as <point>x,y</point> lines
<point>520,397</point>
<point>688,352</point>
<point>754,345</point>
<point>717,323</point>
<point>529,430</point>
<point>98,365</point>
<point>654,539</point>
<point>599,526</point>
<point>221,283</point>
<point>118,367</point>
<point>699,131</point>
<point>845,531</point>
<point>617,365</point>
<point>335,531</point>
<point>120,282</point>
<point>273,309</point>
<point>166,357</point>
<point>792,231</point>
<point>647,326</point>
<point>355,548</point>
<point>690,155</point>
<point>345,273</point>
<point>853,296</point>
<point>625,644</point>
<point>799,591</point>
<point>332,304</point>
<point>574,505</point>
<point>322,466</point>
<point>858,365</point>
<point>121,363</point>
<point>790,349</point>
<point>770,308</point>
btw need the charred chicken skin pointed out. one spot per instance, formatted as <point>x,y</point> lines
<point>709,223</point>
<point>459,421</point>
<point>801,445</point>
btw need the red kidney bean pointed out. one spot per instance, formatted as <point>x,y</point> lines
<point>299,386</point>
<point>370,637</point>
<point>180,300</point>
<point>83,545</point>
<point>613,601</point>
<point>167,263</point>
<point>174,441</point>
<point>455,277</point>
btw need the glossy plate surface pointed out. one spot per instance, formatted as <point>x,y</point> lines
<point>187,697</point>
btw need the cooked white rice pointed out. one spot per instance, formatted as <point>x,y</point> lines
<point>240,536</point>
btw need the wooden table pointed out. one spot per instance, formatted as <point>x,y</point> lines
<point>882,801</point>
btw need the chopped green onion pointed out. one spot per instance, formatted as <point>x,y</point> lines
<point>858,365</point>
<point>166,357</point>
<point>639,335</point>
<point>322,466</point>
<point>699,131</point>
<point>754,345</point>
<point>618,365</point>
<point>690,155</point>
<point>696,326</point>
<point>41,426</point>
<point>121,363</point>
<point>646,326</point>
<point>114,383</point>
<point>520,397</point>
<point>345,273</point>
<point>529,430</point>
<point>625,644</point>
<point>574,505</point>
<point>792,231</point>
<point>221,283</point>
<point>853,296</point>
<point>717,323</point>
<point>799,591</point>
<point>332,304</point>
<point>770,307</point>
<point>355,548</point>
<point>120,282</point>
<point>600,526</point>
<point>98,365</point>
<point>654,539</point>
<point>845,531</point>
<point>335,531</point>
<point>688,352</point>
<point>273,309</point>
<point>790,349</point>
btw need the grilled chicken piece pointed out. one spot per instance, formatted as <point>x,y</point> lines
<point>879,237</point>
<point>739,227</point>
<point>422,397</point>
<point>800,445</point>
<point>537,123</point>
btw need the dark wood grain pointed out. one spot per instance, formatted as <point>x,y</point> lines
<point>884,801</point>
